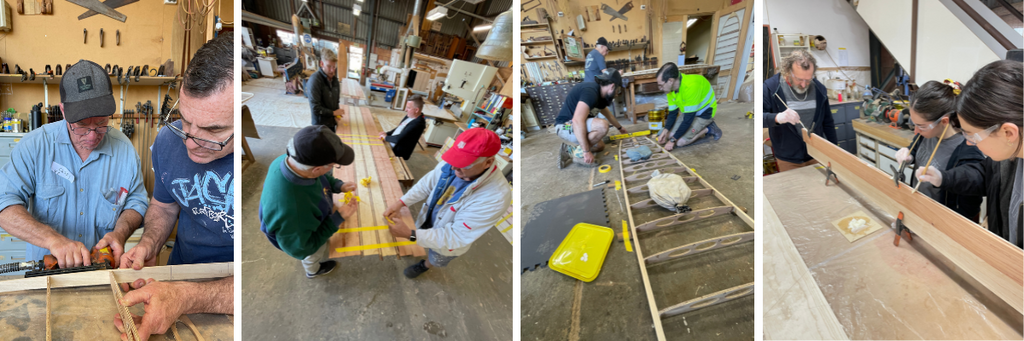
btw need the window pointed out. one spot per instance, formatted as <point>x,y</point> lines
<point>287,38</point>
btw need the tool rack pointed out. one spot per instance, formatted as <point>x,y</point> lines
<point>634,177</point>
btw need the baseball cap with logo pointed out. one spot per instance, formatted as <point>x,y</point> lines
<point>318,146</point>
<point>602,41</point>
<point>470,145</point>
<point>85,91</point>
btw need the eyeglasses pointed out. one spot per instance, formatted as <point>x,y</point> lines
<point>82,131</point>
<point>930,126</point>
<point>981,135</point>
<point>211,145</point>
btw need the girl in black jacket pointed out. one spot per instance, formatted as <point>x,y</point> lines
<point>930,108</point>
<point>990,115</point>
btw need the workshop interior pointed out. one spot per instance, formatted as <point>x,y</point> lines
<point>416,82</point>
<point>644,231</point>
<point>856,245</point>
<point>140,50</point>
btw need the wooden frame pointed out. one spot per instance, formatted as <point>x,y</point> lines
<point>700,247</point>
<point>683,218</point>
<point>705,301</point>
<point>644,188</point>
<point>398,102</point>
<point>992,261</point>
<point>101,277</point>
<point>648,203</point>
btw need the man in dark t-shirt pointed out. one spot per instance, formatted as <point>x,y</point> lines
<point>595,60</point>
<point>577,126</point>
<point>194,167</point>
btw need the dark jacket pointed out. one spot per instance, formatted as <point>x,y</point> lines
<point>405,141</point>
<point>324,95</point>
<point>967,205</point>
<point>787,142</point>
<point>994,180</point>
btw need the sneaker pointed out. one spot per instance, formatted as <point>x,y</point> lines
<point>416,269</point>
<point>325,268</point>
<point>714,131</point>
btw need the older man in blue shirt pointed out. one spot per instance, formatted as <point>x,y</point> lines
<point>83,179</point>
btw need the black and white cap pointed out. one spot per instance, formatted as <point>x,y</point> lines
<point>319,146</point>
<point>86,92</point>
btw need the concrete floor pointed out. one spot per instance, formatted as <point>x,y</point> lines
<point>614,306</point>
<point>367,298</point>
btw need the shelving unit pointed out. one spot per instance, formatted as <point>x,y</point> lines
<point>539,30</point>
<point>785,47</point>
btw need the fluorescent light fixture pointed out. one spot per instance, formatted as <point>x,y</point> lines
<point>356,9</point>
<point>690,22</point>
<point>437,13</point>
<point>482,28</point>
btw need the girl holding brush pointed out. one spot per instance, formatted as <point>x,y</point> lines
<point>990,115</point>
<point>930,110</point>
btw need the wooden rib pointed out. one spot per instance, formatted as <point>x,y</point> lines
<point>127,321</point>
<point>693,194</point>
<point>658,330</point>
<point>188,323</point>
<point>684,218</point>
<point>794,307</point>
<point>738,212</point>
<point>100,277</point>
<point>647,174</point>
<point>649,166</point>
<point>709,300</point>
<point>644,188</point>
<point>994,262</point>
<point>700,247</point>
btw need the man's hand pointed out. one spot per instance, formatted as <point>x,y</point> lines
<point>903,155</point>
<point>789,116</point>
<point>382,135</point>
<point>69,253</point>
<point>140,256</point>
<point>348,187</point>
<point>339,113</point>
<point>588,157</point>
<point>622,130</point>
<point>663,136</point>
<point>346,210</point>
<point>929,174</point>
<point>393,209</point>
<point>161,303</point>
<point>116,243</point>
<point>399,230</point>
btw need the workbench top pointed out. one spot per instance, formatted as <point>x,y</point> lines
<point>896,137</point>
<point>876,290</point>
<point>87,314</point>
<point>431,110</point>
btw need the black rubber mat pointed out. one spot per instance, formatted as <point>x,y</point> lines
<point>547,224</point>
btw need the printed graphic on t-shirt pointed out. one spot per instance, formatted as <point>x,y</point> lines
<point>210,195</point>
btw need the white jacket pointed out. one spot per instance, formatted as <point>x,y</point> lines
<point>459,224</point>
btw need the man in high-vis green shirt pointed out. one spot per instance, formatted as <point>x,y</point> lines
<point>692,95</point>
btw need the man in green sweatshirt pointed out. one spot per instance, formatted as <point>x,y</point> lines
<point>297,212</point>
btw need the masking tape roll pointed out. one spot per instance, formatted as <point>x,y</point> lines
<point>604,168</point>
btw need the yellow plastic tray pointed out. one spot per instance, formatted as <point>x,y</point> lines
<point>582,252</point>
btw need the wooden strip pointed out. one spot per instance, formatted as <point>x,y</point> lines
<point>653,157</point>
<point>348,174</point>
<point>100,277</point>
<point>709,300</point>
<point>693,194</point>
<point>684,218</point>
<point>380,175</point>
<point>364,168</point>
<point>381,246</point>
<point>643,188</point>
<point>48,323</point>
<point>647,175</point>
<point>360,229</point>
<point>700,247</point>
<point>794,307</point>
<point>128,322</point>
<point>994,262</point>
<point>658,330</point>
<point>188,323</point>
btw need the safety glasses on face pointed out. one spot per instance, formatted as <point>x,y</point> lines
<point>82,131</point>
<point>976,138</point>
<point>930,126</point>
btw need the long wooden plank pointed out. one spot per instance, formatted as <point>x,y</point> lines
<point>794,307</point>
<point>376,195</point>
<point>100,277</point>
<point>655,315</point>
<point>363,161</point>
<point>992,261</point>
<point>389,185</point>
<point>348,239</point>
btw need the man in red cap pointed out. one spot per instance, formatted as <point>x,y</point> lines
<point>465,195</point>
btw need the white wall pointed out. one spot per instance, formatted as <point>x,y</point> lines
<point>891,21</point>
<point>671,37</point>
<point>834,19</point>
<point>946,48</point>
<point>698,40</point>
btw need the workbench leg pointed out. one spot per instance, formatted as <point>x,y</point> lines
<point>632,102</point>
